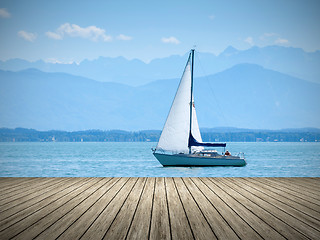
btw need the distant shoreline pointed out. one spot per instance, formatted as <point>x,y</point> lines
<point>208,135</point>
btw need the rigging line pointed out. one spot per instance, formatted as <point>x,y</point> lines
<point>205,76</point>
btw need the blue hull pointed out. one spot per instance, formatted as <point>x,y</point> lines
<point>195,160</point>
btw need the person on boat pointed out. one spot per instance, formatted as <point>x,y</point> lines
<point>227,153</point>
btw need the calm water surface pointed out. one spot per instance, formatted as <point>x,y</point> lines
<point>108,159</point>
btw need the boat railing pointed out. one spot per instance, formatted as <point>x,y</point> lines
<point>240,154</point>
<point>160,150</point>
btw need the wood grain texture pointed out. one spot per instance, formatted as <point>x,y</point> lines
<point>141,221</point>
<point>160,220</point>
<point>159,208</point>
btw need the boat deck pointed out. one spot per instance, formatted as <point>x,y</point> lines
<point>160,208</point>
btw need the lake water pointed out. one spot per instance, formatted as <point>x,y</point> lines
<point>109,159</point>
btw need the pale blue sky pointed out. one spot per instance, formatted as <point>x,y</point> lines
<point>68,31</point>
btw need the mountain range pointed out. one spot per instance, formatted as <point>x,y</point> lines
<point>244,96</point>
<point>292,61</point>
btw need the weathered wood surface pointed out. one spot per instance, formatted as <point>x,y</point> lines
<point>160,208</point>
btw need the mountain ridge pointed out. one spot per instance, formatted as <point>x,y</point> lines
<point>244,96</point>
<point>292,61</point>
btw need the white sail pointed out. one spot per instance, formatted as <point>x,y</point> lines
<point>195,129</point>
<point>175,134</point>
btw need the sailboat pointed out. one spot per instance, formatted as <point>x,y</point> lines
<point>180,142</point>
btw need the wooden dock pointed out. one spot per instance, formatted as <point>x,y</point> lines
<point>160,208</point>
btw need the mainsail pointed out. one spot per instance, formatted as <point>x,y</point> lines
<point>176,131</point>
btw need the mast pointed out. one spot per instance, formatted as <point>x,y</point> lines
<point>191,95</point>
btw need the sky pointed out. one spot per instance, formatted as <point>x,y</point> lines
<point>73,30</point>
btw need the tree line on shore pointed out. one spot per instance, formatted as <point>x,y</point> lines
<point>247,135</point>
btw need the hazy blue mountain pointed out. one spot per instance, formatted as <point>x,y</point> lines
<point>250,96</point>
<point>244,96</point>
<point>289,60</point>
<point>292,61</point>
<point>59,101</point>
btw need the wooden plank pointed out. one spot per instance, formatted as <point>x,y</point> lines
<point>80,226</point>
<point>121,224</point>
<point>64,222</point>
<point>300,204</point>
<point>297,186</point>
<point>29,195</point>
<point>290,186</point>
<point>24,186</point>
<point>102,223</point>
<point>315,180</point>
<point>141,222</point>
<point>43,223</point>
<point>3,179</point>
<point>217,223</point>
<point>241,228</point>
<point>13,183</point>
<point>276,200</point>
<point>179,224</point>
<point>272,206</point>
<point>23,227</point>
<point>244,198</point>
<point>198,223</point>
<point>37,200</point>
<point>261,227</point>
<point>160,222</point>
<point>63,191</point>
<point>310,183</point>
<point>27,190</point>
